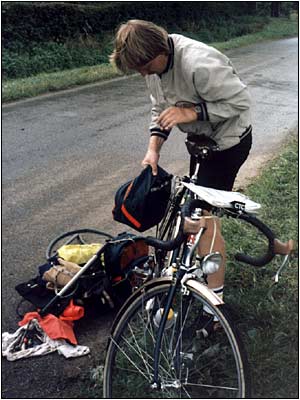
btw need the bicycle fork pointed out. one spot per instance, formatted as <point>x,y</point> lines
<point>167,307</point>
<point>184,268</point>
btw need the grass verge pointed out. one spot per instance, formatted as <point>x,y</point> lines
<point>268,315</point>
<point>55,81</point>
<point>48,82</point>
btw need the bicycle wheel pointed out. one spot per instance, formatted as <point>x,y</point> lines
<point>191,366</point>
<point>81,236</point>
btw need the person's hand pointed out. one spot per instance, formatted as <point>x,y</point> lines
<point>176,115</point>
<point>151,158</point>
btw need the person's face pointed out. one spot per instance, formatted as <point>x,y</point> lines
<point>155,66</point>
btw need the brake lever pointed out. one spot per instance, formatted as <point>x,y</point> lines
<point>276,276</point>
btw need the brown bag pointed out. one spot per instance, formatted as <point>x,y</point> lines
<point>60,275</point>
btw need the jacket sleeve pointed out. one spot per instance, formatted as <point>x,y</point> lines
<point>223,94</point>
<point>158,105</point>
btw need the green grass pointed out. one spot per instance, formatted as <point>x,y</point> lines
<point>267,314</point>
<point>44,83</point>
<point>47,82</point>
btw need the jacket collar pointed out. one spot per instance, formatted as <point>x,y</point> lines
<point>170,62</point>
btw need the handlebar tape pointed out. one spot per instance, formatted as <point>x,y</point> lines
<point>269,255</point>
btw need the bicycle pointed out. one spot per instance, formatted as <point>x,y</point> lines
<point>164,342</point>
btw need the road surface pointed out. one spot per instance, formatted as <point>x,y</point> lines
<point>64,156</point>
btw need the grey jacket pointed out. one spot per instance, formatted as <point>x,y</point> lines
<point>199,74</point>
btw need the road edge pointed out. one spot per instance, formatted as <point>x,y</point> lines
<point>78,88</point>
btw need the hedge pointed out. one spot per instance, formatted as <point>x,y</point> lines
<point>26,22</point>
<point>52,36</point>
<point>48,57</point>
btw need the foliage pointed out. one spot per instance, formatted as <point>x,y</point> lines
<point>36,36</point>
<point>221,30</point>
<point>50,57</point>
<point>52,21</point>
<point>277,28</point>
<point>20,60</point>
<point>27,22</point>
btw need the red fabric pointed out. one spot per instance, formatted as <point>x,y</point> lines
<point>72,312</point>
<point>54,327</point>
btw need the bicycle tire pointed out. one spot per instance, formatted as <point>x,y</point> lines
<point>190,366</point>
<point>70,233</point>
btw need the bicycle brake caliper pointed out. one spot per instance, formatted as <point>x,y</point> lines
<point>185,291</point>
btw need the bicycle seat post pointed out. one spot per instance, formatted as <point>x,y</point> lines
<point>203,154</point>
<point>200,148</point>
<point>196,171</point>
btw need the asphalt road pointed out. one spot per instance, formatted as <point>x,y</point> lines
<point>64,156</point>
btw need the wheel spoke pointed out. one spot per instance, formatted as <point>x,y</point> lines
<point>211,386</point>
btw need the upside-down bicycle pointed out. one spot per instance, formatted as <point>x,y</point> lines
<point>163,342</point>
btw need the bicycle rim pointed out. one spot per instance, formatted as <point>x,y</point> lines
<point>191,366</point>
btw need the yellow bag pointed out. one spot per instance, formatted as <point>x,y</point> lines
<point>78,253</point>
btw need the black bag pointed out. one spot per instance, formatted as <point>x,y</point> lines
<point>38,295</point>
<point>121,253</point>
<point>120,257</point>
<point>141,203</point>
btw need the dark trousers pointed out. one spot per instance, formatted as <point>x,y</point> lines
<point>220,170</point>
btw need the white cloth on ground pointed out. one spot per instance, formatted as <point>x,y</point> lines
<point>11,340</point>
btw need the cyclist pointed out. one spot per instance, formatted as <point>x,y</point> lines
<point>195,87</point>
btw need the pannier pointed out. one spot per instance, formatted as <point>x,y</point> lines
<point>141,203</point>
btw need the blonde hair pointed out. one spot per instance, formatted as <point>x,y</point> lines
<point>138,42</point>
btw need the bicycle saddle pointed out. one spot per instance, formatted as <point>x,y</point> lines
<point>200,146</point>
